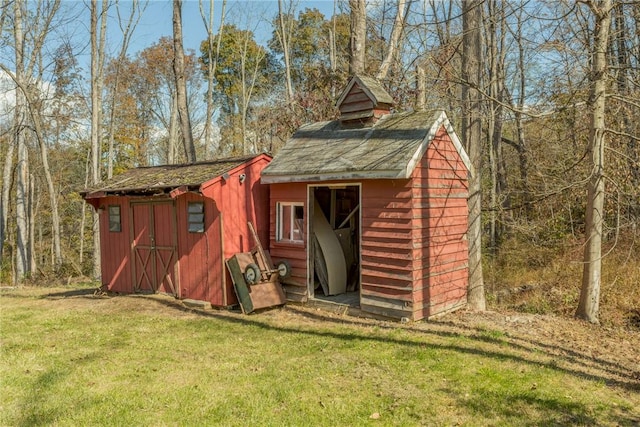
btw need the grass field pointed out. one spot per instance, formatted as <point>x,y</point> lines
<point>69,358</point>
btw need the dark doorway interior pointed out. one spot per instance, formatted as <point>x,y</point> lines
<point>341,207</point>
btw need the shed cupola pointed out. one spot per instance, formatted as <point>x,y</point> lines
<point>363,102</point>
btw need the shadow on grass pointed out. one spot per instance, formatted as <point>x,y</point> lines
<point>36,412</point>
<point>519,350</point>
<point>447,329</point>
<point>92,292</point>
<point>473,341</point>
<point>557,411</point>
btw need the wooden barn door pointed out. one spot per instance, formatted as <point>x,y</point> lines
<point>154,247</point>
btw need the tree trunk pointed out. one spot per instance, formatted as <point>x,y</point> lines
<point>31,212</point>
<point>284,33</point>
<point>173,131</point>
<point>421,88</point>
<point>358,37</point>
<point>211,69</point>
<point>181,83</point>
<point>333,55</point>
<point>396,35</point>
<point>6,192</point>
<point>499,200</point>
<point>29,100</point>
<point>83,217</point>
<point>36,116</point>
<point>22,205</point>
<point>624,76</point>
<point>22,168</point>
<point>248,80</point>
<point>521,141</point>
<point>472,137</point>
<point>588,306</point>
<point>97,36</point>
<point>127,33</point>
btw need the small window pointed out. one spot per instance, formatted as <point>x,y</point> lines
<point>115,220</point>
<point>196,217</point>
<point>289,222</point>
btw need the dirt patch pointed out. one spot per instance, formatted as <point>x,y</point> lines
<point>612,349</point>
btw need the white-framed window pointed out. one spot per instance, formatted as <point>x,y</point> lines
<point>115,219</point>
<point>289,222</point>
<point>195,210</point>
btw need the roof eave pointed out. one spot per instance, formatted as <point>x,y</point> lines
<point>234,170</point>
<point>145,192</point>
<point>332,176</point>
<point>441,120</point>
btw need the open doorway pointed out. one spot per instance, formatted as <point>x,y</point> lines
<point>334,244</point>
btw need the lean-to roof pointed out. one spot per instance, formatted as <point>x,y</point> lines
<point>158,179</point>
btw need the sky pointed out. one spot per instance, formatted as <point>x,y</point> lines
<point>155,23</point>
<point>157,20</point>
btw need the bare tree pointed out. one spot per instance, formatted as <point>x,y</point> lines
<point>284,33</point>
<point>495,30</point>
<point>28,88</point>
<point>212,56</point>
<point>23,257</point>
<point>181,83</point>
<point>358,38</point>
<point>98,37</point>
<point>625,34</point>
<point>7,167</point>
<point>127,27</point>
<point>6,193</point>
<point>472,138</point>
<point>396,36</point>
<point>249,73</point>
<point>589,304</point>
<point>520,144</point>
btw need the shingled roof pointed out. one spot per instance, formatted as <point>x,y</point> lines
<point>162,179</point>
<point>391,148</point>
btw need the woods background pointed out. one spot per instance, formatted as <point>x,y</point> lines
<point>545,96</point>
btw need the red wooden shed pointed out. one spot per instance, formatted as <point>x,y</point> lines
<point>392,190</point>
<point>169,229</point>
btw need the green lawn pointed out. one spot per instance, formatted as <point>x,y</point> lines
<point>70,359</point>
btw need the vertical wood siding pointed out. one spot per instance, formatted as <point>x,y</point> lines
<point>153,245</point>
<point>166,251</point>
<point>200,257</point>
<point>115,253</point>
<point>238,202</point>
<point>198,270</point>
<point>440,253</point>
<point>140,246</point>
<point>296,254</point>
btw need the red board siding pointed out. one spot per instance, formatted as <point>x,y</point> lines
<point>414,251</point>
<point>196,269</point>
<point>165,253</point>
<point>239,198</point>
<point>115,253</point>
<point>200,265</point>
<point>296,285</point>
<point>387,268</point>
<point>440,215</point>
